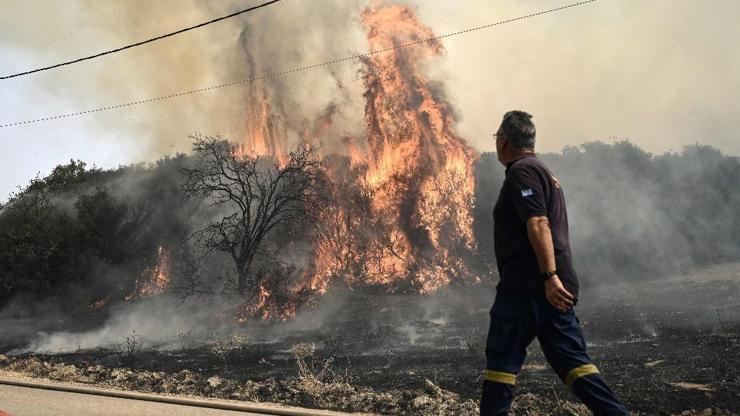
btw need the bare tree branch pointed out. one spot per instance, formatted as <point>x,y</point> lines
<point>258,193</point>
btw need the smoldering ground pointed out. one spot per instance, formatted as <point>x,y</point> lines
<point>700,300</point>
<point>642,336</point>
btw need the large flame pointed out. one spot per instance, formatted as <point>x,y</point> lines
<point>402,214</point>
<point>418,172</point>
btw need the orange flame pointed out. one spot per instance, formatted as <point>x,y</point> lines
<point>402,212</point>
<point>418,171</point>
<point>264,307</point>
<point>155,280</point>
<point>265,132</point>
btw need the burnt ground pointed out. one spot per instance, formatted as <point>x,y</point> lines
<point>665,347</point>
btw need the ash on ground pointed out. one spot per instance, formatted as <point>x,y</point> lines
<point>665,347</point>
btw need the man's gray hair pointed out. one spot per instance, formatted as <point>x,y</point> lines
<point>518,128</point>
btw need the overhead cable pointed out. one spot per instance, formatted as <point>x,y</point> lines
<point>297,69</point>
<point>133,45</point>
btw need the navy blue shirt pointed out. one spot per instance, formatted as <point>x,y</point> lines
<point>530,190</point>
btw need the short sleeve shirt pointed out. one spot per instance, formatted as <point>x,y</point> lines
<point>530,190</point>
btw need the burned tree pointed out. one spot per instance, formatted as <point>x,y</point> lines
<point>255,195</point>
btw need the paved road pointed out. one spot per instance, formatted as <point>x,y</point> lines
<point>23,401</point>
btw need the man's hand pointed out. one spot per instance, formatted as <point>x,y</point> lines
<point>557,295</point>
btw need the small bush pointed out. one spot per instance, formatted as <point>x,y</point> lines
<point>313,369</point>
<point>128,349</point>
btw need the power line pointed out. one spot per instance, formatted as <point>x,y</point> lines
<point>298,69</point>
<point>133,45</point>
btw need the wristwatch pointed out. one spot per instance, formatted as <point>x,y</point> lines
<point>547,275</point>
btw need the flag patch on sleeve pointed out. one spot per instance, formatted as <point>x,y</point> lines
<point>526,192</point>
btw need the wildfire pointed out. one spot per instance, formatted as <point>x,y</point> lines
<point>154,280</point>
<point>418,174</point>
<point>402,212</point>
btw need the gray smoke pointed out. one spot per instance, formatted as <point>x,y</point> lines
<point>624,228</point>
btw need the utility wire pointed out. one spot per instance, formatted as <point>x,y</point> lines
<point>298,69</point>
<point>133,45</point>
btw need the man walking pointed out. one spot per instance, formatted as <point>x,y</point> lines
<point>538,286</point>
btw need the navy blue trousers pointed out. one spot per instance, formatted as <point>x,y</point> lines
<point>515,322</point>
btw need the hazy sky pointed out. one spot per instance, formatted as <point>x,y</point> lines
<point>663,73</point>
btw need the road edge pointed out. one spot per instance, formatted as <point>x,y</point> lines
<point>205,403</point>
